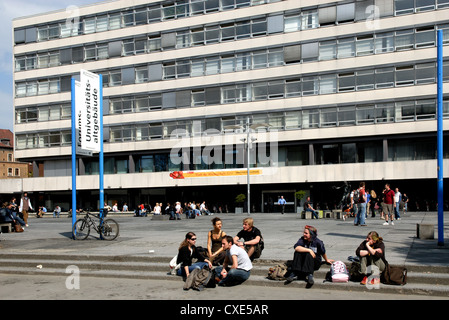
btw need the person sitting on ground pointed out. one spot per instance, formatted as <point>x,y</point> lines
<point>203,209</point>
<point>371,252</point>
<point>215,250</point>
<point>41,212</point>
<point>252,239</point>
<point>237,265</point>
<point>307,256</point>
<point>187,251</point>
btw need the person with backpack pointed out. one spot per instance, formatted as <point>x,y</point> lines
<point>307,256</point>
<point>360,201</point>
<point>371,252</point>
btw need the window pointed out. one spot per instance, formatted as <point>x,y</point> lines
<point>384,42</point>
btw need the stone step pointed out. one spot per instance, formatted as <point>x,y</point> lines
<point>429,282</point>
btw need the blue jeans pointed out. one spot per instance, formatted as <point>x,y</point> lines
<point>361,214</point>
<point>314,213</point>
<point>396,211</point>
<point>234,276</point>
<point>197,265</point>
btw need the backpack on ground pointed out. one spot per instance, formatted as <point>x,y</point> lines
<point>199,279</point>
<point>339,272</point>
<point>279,272</point>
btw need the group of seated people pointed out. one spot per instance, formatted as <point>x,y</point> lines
<point>232,256</point>
<point>9,213</point>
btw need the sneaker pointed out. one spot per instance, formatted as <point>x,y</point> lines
<point>392,223</point>
<point>386,223</point>
<point>310,280</point>
<point>290,278</point>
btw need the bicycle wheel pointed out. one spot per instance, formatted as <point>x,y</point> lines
<point>80,230</point>
<point>109,230</point>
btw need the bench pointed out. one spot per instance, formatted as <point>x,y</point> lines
<point>5,225</point>
<point>306,215</point>
<point>337,214</point>
<point>327,214</point>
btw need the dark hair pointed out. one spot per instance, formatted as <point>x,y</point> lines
<point>189,236</point>
<point>215,220</point>
<point>229,239</point>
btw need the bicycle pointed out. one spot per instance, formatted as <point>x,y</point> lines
<point>108,229</point>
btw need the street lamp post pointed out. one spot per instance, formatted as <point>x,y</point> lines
<point>248,142</point>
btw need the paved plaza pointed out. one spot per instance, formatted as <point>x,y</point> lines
<point>144,236</point>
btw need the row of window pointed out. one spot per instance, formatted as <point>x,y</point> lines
<point>355,11</point>
<point>333,49</point>
<point>282,156</point>
<point>129,18</point>
<point>368,79</point>
<point>290,120</point>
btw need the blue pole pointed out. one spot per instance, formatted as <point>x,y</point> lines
<point>74,143</point>
<point>440,137</point>
<point>101,158</point>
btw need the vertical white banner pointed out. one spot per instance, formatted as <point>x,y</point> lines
<point>79,111</point>
<point>89,101</point>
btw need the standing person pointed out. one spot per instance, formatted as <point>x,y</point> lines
<point>282,203</point>
<point>307,256</point>
<point>187,251</point>
<point>252,239</point>
<point>373,203</point>
<point>308,207</point>
<point>397,201</point>
<point>214,248</point>
<point>371,252</point>
<point>405,200</point>
<point>25,206</point>
<point>361,205</point>
<point>237,265</point>
<point>388,204</point>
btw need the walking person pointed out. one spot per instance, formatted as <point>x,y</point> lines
<point>282,203</point>
<point>397,201</point>
<point>25,206</point>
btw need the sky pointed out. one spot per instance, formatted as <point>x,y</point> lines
<point>9,10</point>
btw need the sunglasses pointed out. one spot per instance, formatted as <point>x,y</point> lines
<point>193,239</point>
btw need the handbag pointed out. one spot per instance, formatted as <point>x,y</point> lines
<point>174,267</point>
<point>395,275</point>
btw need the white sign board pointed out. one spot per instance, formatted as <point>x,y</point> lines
<point>88,100</point>
<point>79,116</point>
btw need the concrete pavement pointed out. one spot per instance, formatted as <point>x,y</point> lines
<point>147,237</point>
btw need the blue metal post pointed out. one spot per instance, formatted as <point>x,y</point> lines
<point>74,143</point>
<point>440,137</point>
<point>101,158</point>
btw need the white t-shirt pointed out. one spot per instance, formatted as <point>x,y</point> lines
<point>243,260</point>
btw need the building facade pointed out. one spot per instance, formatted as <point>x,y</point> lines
<point>9,167</point>
<point>334,91</point>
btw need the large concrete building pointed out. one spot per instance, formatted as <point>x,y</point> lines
<point>340,90</point>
